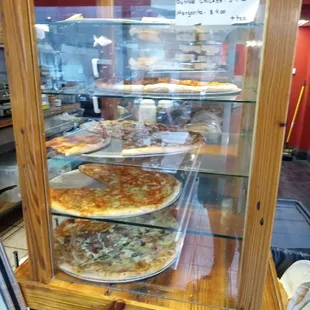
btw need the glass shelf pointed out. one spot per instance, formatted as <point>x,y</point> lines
<point>248,98</point>
<point>209,206</point>
<point>228,155</point>
<point>206,273</point>
<point>212,231</point>
<point>132,22</point>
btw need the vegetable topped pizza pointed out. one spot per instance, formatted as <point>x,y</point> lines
<point>144,138</point>
<point>98,251</point>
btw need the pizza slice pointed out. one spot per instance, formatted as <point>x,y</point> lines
<point>149,138</point>
<point>75,145</point>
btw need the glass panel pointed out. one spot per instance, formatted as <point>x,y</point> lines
<point>204,264</point>
<point>12,233</point>
<point>149,130</point>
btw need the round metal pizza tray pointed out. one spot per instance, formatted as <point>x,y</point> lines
<point>172,95</point>
<point>114,150</point>
<point>122,281</point>
<point>76,179</point>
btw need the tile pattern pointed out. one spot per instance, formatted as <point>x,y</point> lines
<point>295,181</point>
<point>12,236</point>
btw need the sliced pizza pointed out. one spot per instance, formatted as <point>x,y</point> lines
<point>130,191</point>
<point>148,138</point>
<point>75,145</point>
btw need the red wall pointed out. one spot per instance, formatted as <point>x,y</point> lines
<point>300,137</point>
<point>67,2</point>
<point>88,2</point>
<point>60,9</point>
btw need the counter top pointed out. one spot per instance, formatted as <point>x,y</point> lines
<point>6,122</point>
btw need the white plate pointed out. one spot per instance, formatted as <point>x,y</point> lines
<point>114,150</point>
<point>76,179</point>
<point>121,281</point>
<point>295,275</point>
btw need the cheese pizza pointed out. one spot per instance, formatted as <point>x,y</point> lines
<point>75,145</point>
<point>130,191</point>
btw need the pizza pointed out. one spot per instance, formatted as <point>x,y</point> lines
<point>167,85</point>
<point>75,145</point>
<point>130,191</point>
<point>143,138</point>
<point>99,251</point>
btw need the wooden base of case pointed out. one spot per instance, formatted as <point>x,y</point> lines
<point>60,294</point>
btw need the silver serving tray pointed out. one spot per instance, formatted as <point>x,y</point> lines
<point>231,95</point>
<point>122,281</point>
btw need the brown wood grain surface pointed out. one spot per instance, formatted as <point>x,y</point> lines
<point>6,205</point>
<point>23,75</point>
<point>6,122</point>
<point>274,287</point>
<point>1,26</point>
<point>68,293</point>
<point>274,88</point>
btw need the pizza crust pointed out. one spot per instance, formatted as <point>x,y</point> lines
<point>224,87</point>
<point>77,144</point>
<point>167,88</point>
<point>88,148</point>
<point>171,86</point>
<point>159,150</point>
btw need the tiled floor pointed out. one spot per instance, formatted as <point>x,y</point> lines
<point>294,184</point>
<point>295,181</point>
<point>12,236</point>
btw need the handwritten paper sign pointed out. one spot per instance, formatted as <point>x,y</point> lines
<point>215,12</point>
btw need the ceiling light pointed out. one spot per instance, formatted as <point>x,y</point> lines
<point>302,22</point>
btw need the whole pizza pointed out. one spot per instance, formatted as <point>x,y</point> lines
<point>144,138</point>
<point>98,251</point>
<point>129,191</point>
<point>75,145</point>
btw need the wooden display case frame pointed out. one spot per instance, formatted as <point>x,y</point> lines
<point>258,284</point>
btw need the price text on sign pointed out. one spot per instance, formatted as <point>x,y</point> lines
<point>215,12</point>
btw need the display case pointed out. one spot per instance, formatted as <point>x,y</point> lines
<point>174,159</point>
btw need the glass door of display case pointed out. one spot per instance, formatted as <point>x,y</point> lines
<point>164,195</point>
<point>163,101</point>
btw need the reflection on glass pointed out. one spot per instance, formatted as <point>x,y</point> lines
<point>124,87</point>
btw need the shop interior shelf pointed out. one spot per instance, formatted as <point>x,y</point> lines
<point>129,22</point>
<point>208,264</point>
<point>227,155</point>
<point>209,206</point>
<point>206,273</point>
<point>247,97</point>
